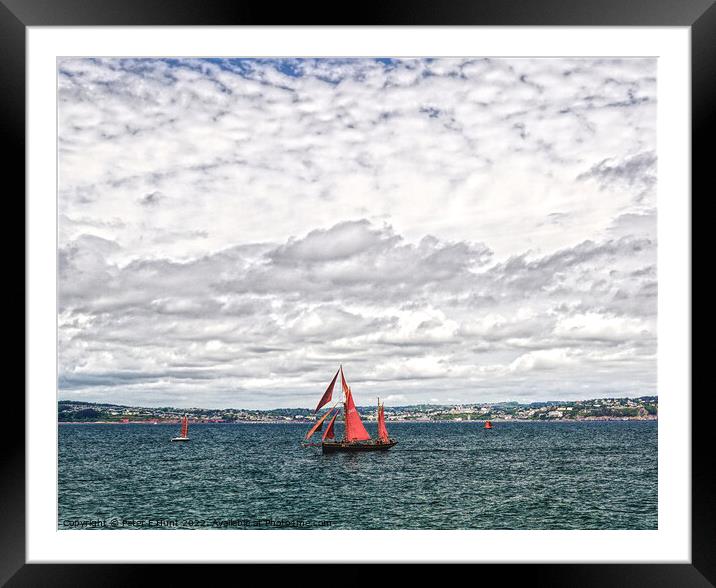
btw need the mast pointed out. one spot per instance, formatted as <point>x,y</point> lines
<point>344,387</point>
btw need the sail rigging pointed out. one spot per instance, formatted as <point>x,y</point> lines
<point>355,435</point>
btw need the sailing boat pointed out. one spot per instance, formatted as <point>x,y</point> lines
<point>488,425</point>
<point>184,430</point>
<point>355,436</point>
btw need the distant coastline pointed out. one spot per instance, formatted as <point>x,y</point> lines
<point>422,421</point>
<point>644,408</point>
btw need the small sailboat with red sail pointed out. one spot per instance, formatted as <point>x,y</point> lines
<point>184,435</point>
<point>488,425</point>
<point>355,436</point>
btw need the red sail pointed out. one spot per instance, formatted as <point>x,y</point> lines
<point>382,431</point>
<point>355,431</point>
<point>327,395</point>
<point>329,434</point>
<point>346,389</point>
<point>185,426</point>
<point>318,425</point>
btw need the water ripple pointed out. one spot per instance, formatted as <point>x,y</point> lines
<point>600,475</point>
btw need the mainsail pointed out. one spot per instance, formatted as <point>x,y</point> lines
<point>355,431</point>
<point>185,427</point>
<point>382,431</point>
<point>328,394</point>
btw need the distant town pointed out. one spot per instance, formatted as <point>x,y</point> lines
<point>642,408</point>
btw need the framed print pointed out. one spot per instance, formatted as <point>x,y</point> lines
<point>415,289</point>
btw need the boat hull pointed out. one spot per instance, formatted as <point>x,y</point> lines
<point>356,447</point>
<point>180,439</point>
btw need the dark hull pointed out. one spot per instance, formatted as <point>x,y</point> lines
<point>356,447</point>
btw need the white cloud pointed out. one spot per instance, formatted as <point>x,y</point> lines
<point>593,325</point>
<point>231,230</point>
<point>545,359</point>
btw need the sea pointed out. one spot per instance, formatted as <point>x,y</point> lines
<point>449,475</point>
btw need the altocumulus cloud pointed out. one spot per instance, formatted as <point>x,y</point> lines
<point>451,230</point>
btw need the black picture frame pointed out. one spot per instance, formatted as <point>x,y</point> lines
<point>699,15</point>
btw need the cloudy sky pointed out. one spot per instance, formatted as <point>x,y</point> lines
<point>451,230</point>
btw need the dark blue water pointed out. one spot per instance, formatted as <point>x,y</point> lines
<point>599,475</point>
